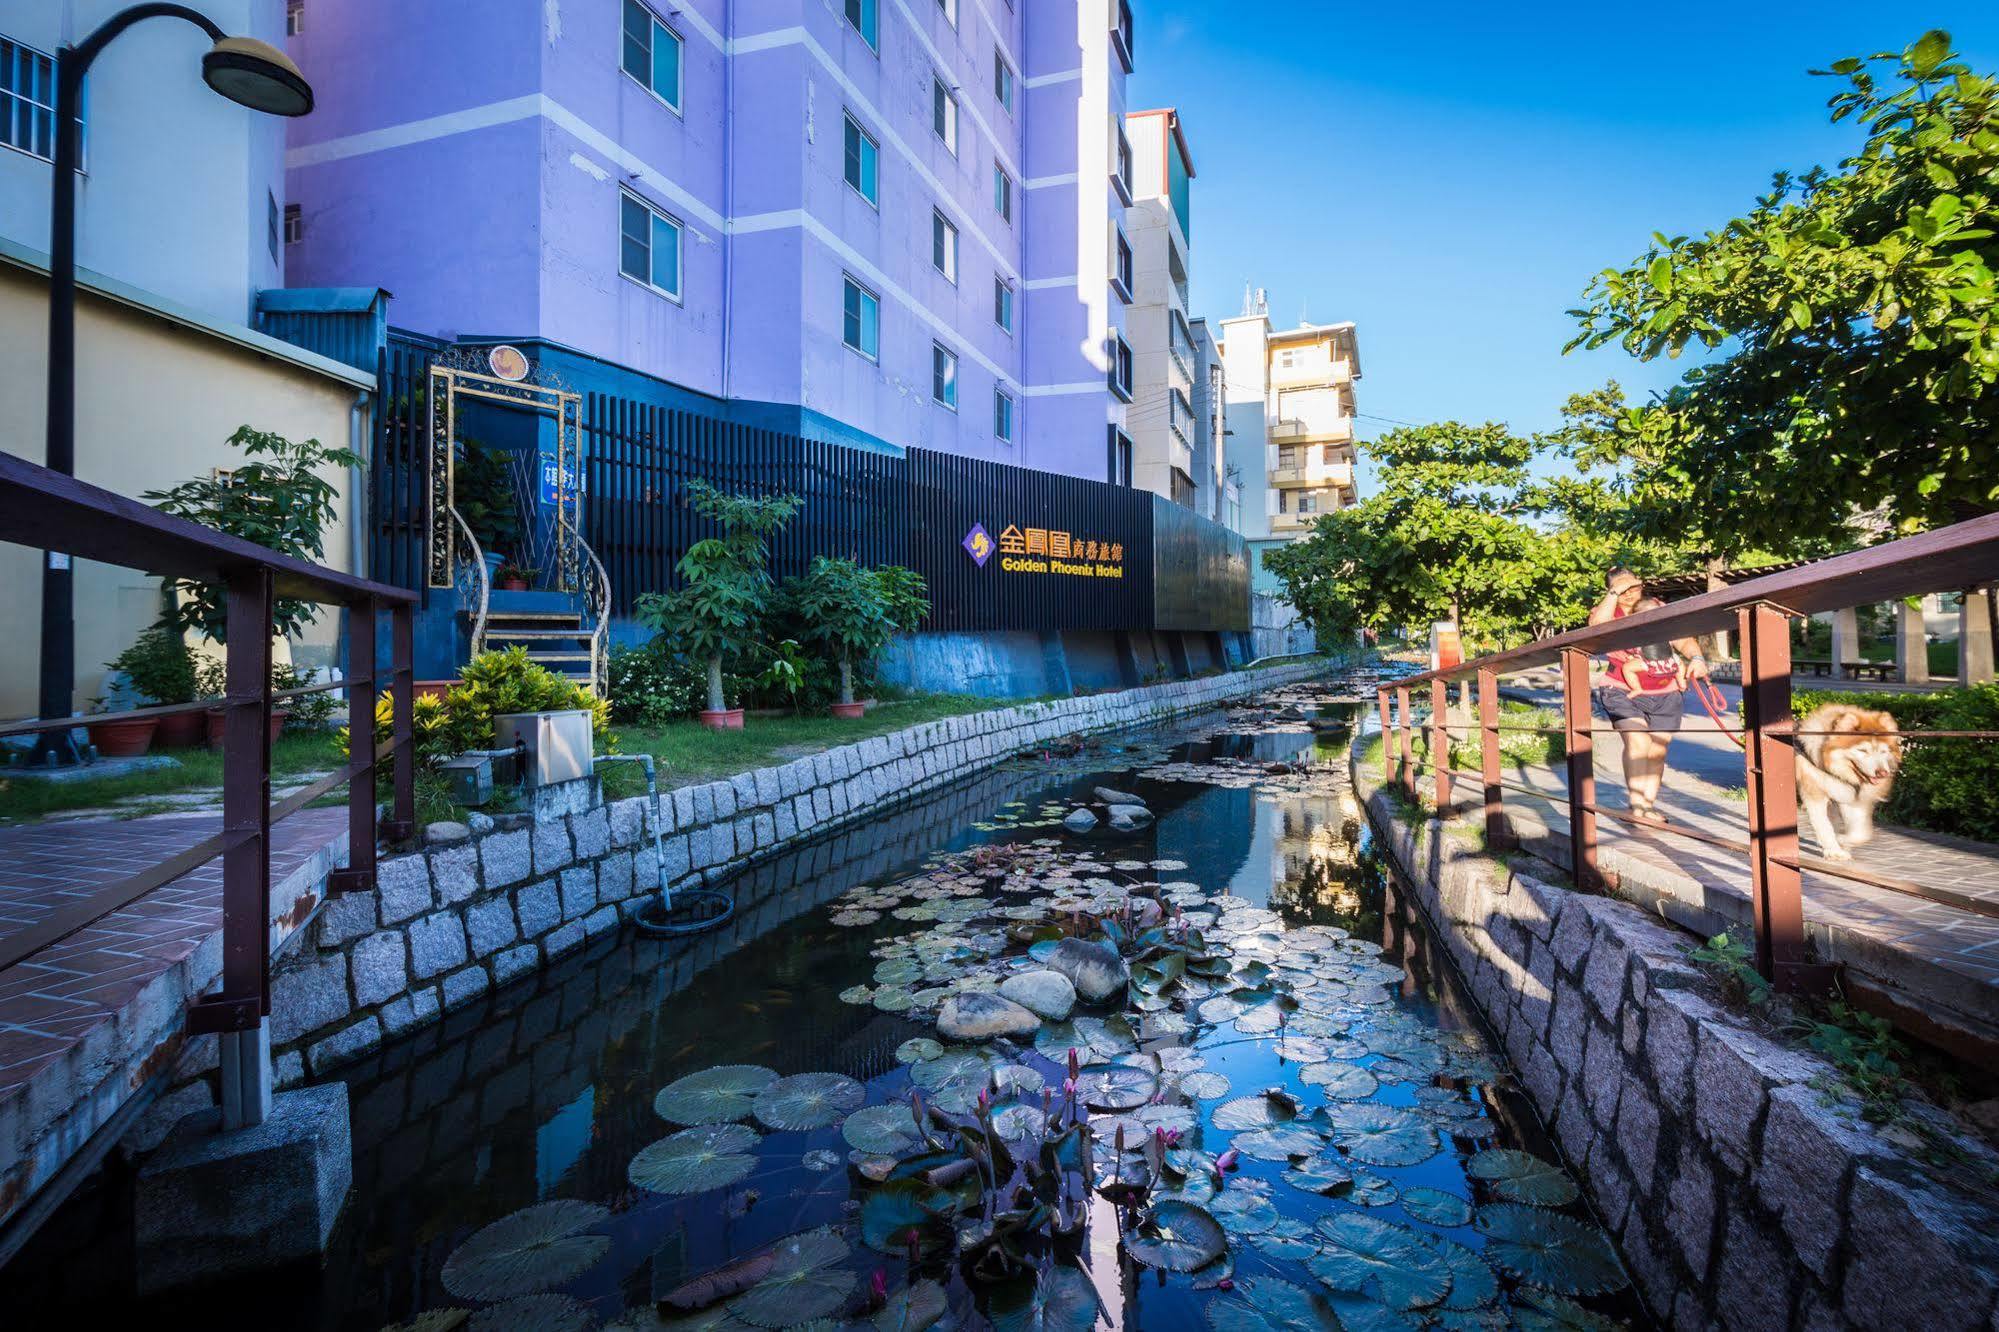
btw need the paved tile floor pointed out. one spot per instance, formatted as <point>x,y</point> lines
<point>51,1000</point>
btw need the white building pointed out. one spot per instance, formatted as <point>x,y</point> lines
<point>1167,455</point>
<point>1217,494</point>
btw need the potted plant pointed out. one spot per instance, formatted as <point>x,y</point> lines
<point>159,666</point>
<point>212,678</point>
<point>515,577</point>
<point>717,611</point>
<point>121,737</point>
<point>853,612</point>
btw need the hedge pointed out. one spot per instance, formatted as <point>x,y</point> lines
<point>1946,786</point>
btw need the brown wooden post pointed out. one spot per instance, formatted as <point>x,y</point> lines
<point>1440,740</point>
<point>1488,755</point>
<point>1770,767</point>
<point>245,1001</point>
<point>402,692</point>
<point>1582,769</point>
<point>359,876</point>
<point>1402,748</point>
<point>1387,736</point>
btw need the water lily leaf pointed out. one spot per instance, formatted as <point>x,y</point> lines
<point>433,1320</point>
<point>1269,1305</point>
<point>1339,1080</point>
<point>1320,1174</point>
<point>1115,1086</point>
<point>1548,1249</point>
<point>1368,1256</point>
<point>1282,1143</point>
<point>821,1160</point>
<point>1521,1177</point>
<point>1473,1285</point>
<point>1244,1207</point>
<point>955,1073</point>
<point>902,1211</point>
<point>1061,1299</point>
<point>912,1309</point>
<point>1364,1313</point>
<point>805,1282</point>
<point>536,1249</point>
<point>1544,1311</point>
<point>1020,1123</point>
<point>718,1284</point>
<point>695,1160</point>
<point>1176,1237</point>
<point>1382,1135</point>
<point>1290,1240</point>
<point>1371,1190</point>
<point>1271,1106</point>
<point>720,1095</point>
<point>1205,1086</point>
<point>882,1130</point>
<point>1018,1080</point>
<point>808,1100</point>
<point>534,1313</point>
<point>917,1049</point>
<point>1436,1207</point>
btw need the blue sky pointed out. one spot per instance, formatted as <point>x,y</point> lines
<point>1450,176</point>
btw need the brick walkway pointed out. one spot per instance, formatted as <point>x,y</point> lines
<point>98,1004</point>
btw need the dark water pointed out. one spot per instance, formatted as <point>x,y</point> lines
<point>546,1090</point>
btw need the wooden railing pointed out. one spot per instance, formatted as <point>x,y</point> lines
<point>1760,611</point>
<point>49,511</point>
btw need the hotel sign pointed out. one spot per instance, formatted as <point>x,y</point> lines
<point>1042,550</point>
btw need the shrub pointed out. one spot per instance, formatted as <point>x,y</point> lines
<point>851,613</point>
<point>159,666</point>
<point>307,710</point>
<point>1945,786</point>
<point>495,684</point>
<point>651,688</point>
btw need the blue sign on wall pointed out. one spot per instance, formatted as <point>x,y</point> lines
<point>550,481</point>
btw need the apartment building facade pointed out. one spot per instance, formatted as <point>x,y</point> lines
<point>1169,458</point>
<point>883,223</point>
<point>1218,493</point>
<point>1289,411</point>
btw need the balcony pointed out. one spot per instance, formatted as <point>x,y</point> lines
<point>1311,372</point>
<point>1288,524</point>
<point>1328,430</point>
<point>1315,475</point>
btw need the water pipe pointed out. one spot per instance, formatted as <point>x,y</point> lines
<point>702,909</point>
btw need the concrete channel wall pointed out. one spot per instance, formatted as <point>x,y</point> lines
<point>448,924</point>
<point>1731,1168</point>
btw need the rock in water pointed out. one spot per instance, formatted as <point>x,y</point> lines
<point>1111,797</point>
<point>1130,818</point>
<point>1080,821</point>
<point>1094,969</point>
<point>978,1016</point>
<point>1046,994</point>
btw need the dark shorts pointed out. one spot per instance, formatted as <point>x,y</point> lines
<point>1641,712</point>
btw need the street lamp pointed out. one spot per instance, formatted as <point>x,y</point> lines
<point>243,69</point>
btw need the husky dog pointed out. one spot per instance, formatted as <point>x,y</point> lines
<point>1847,756</point>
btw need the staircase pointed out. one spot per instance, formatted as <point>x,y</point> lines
<point>548,625</point>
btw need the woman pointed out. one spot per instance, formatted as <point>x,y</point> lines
<point>1643,693</point>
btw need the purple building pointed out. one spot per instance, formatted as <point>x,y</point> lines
<point>886,223</point>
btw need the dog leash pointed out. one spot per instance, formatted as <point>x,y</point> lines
<point>1711,699</point>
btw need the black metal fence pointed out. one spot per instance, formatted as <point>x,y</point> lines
<point>1001,547</point>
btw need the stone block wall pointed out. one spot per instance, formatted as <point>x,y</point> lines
<point>1741,1186</point>
<point>446,925</point>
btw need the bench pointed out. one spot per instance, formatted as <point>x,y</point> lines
<point>1883,671</point>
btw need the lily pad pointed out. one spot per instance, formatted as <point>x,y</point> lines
<point>808,1100</point>
<point>1545,1311</point>
<point>1320,1174</point>
<point>534,1313</point>
<point>806,1282</point>
<point>1436,1207</point>
<point>1115,1086</point>
<point>1520,1177</point>
<point>535,1249</point>
<point>912,1309</point>
<point>917,1049</point>
<point>719,1095</point>
<point>1205,1086</point>
<point>1269,1305</point>
<point>902,1211</point>
<point>695,1160</point>
<point>1176,1237</point>
<point>1284,1142</point>
<point>882,1130</point>
<point>1060,1299</point>
<point>1382,1135</point>
<point>1549,1249</point>
<point>1271,1106</point>
<point>1243,1207</point>
<point>1369,1256</point>
<point>1473,1285</point>
<point>1339,1080</point>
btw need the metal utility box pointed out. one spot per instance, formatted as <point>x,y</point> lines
<point>470,777</point>
<point>557,744</point>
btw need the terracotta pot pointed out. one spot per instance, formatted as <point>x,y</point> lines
<point>181,730</point>
<point>216,723</point>
<point>514,585</point>
<point>728,719</point>
<point>433,688</point>
<point>127,738</point>
<point>850,711</point>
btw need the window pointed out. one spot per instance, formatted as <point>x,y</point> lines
<point>27,100</point>
<point>950,8</point>
<point>1002,192</point>
<point>294,224</point>
<point>1120,457</point>
<point>865,16</point>
<point>944,246</point>
<point>294,17</point>
<point>1123,166</point>
<point>863,162</point>
<point>273,223</point>
<point>944,375</point>
<point>1002,415</point>
<point>652,53</point>
<point>1003,81</point>
<point>1123,34</point>
<point>1003,303</point>
<point>944,114</point>
<point>649,246</point>
<point>861,320</point>
<point>1122,274</point>
<point>1120,366</point>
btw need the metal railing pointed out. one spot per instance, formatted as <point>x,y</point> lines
<point>1760,611</point>
<point>49,511</point>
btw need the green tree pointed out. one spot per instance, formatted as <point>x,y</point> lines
<point>1857,319</point>
<point>852,612</point>
<point>717,612</point>
<point>277,498</point>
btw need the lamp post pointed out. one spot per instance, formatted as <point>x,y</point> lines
<point>244,70</point>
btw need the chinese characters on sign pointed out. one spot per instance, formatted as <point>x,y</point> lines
<point>1042,551</point>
